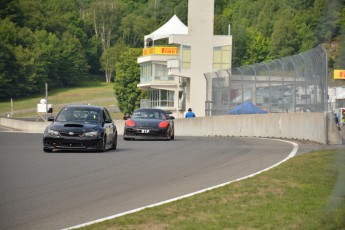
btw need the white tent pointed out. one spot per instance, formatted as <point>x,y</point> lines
<point>173,26</point>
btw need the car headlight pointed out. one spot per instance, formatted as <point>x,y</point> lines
<point>91,134</point>
<point>53,132</point>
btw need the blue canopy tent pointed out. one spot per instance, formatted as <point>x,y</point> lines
<point>246,108</point>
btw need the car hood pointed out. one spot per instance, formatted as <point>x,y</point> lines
<point>68,126</point>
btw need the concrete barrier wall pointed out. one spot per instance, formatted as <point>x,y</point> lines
<point>29,126</point>
<point>316,127</point>
<point>120,125</point>
<point>303,126</point>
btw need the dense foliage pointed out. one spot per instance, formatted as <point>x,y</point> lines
<point>128,76</point>
<point>269,29</point>
<point>62,42</point>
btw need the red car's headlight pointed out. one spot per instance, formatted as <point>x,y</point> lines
<point>163,124</point>
<point>130,123</point>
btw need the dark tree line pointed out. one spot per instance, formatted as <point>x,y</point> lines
<point>269,29</point>
<point>64,42</point>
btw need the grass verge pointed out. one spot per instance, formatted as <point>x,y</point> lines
<point>94,92</point>
<point>306,192</point>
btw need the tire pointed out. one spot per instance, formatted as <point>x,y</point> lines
<point>114,145</point>
<point>48,150</point>
<point>125,138</point>
<point>102,144</point>
<point>172,134</point>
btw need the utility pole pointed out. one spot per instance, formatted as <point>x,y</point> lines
<point>46,101</point>
<point>11,107</point>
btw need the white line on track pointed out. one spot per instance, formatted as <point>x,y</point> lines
<point>292,154</point>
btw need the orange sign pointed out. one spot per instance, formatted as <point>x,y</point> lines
<point>167,50</point>
<point>148,51</point>
<point>164,50</point>
<point>339,74</point>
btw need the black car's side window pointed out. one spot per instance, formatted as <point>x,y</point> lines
<point>104,115</point>
<point>107,115</point>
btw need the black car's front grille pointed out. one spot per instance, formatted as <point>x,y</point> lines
<point>71,134</point>
<point>147,126</point>
<point>72,144</point>
<point>151,133</point>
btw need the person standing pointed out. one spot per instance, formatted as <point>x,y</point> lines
<point>337,121</point>
<point>190,113</point>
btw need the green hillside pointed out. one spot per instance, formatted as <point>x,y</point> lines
<point>95,93</point>
<point>63,42</point>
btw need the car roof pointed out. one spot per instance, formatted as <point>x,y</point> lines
<point>150,109</point>
<point>83,106</point>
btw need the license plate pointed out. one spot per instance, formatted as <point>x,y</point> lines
<point>145,131</point>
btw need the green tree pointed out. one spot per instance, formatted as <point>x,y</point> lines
<point>239,37</point>
<point>221,25</point>
<point>110,57</point>
<point>256,46</point>
<point>284,37</point>
<point>127,93</point>
<point>8,64</point>
<point>340,60</point>
<point>36,55</point>
<point>304,25</point>
<point>267,15</point>
<point>72,61</point>
<point>134,28</point>
<point>162,11</point>
<point>42,58</point>
<point>106,19</point>
<point>325,15</point>
<point>57,40</point>
<point>8,73</point>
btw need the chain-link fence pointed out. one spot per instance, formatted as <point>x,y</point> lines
<point>296,83</point>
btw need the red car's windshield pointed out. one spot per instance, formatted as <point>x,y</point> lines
<point>149,114</point>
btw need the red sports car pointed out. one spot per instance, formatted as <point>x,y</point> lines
<point>149,124</point>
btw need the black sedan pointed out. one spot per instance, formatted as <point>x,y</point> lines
<point>81,127</point>
<point>149,124</point>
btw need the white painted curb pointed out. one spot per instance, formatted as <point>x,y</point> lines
<point>292,154</point>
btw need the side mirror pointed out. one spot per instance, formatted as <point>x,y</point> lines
<point>50,118</point>
<point>171,117</point>
<point>108,121</point>
<point>126,117</point>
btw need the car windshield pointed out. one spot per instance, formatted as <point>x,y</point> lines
<point>87,115</point>
<point>149,114</point>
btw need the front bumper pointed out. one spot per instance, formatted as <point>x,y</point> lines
<point>153,134</point>
<point>65,143</point>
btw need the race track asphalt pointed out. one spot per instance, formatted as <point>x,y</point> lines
<point>61,189</point>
